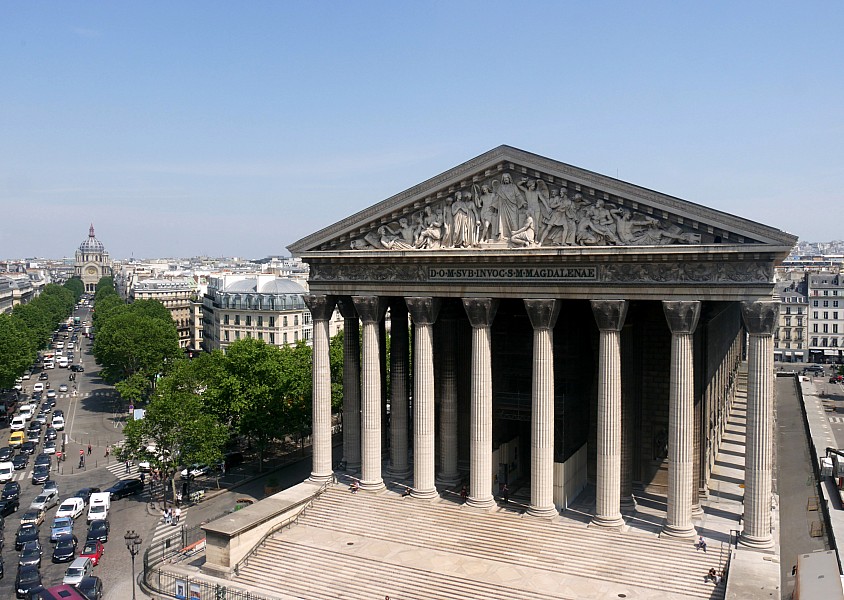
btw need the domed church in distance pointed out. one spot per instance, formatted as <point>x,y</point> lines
<point>92,261</point>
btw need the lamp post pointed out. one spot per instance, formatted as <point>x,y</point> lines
<point>133,545</point>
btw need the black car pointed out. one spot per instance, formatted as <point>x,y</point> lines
<point>40,474</point>
<point>58,413</point>
<point>29,447</point>
<point>11,491</point>
<point>20,461</point>
<point>6,454</point>
<point>91,587</point>
<point>28,578</point>
<point>77,368</point>
<point>85,493</point>
<point>26,533</point>
<point>46,407</point>
<point>44,459</point>
<point>51,434</point>
<point>42,376</point>
<point>65,549</point>
<point>30,554</point>
<point>9,506</point>
<point>125,487</point>
<point>98,530</point>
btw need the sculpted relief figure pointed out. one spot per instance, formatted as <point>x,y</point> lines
<point>497,214</point>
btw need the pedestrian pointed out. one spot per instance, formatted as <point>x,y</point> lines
<point>354,487</point>
<point>701,544</point>
<point>178,499</point>
<point>127,466</point>
<point>142,478</point>
<point>505,493</point>
<point>89,448</point>
<point>81,461</point>
<point>710,575</point>
<point>178,515</point>
<point>81,453</point>
<point>167,516</point>
<point>718,577</point>
<point>464,493</point>
<point>107,450</point>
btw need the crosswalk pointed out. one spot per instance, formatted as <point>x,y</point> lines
<point>836,420</point>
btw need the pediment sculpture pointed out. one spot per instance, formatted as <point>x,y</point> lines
<point>501,213</point>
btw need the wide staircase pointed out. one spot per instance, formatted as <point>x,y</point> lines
<point>375,545</point>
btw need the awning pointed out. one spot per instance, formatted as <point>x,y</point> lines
<point>787,353</point>
<point>830,352</point>
<point>798,353</point>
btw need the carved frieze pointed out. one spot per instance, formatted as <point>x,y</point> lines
<point>500,212</point>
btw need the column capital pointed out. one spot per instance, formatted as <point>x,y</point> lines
<point>609,314</point>
<point>423,309</point>
<point>370,308</point>
<point>347,307</point>
<point>542,313</point>
<point>760,317</point>
<point>682,315</point>
<point>320,305</point>
<point>481,311</point>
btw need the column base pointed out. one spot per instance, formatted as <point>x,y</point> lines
<point>546,512</point>
<point>607,522</point>
<point>424,494</point>
<point>628,504</point>
<point>449,480</point>
<point>678,531</point>
<point>480,503</point>
<point>351,467</point>
<point>755,542</point>
<point>321,477</point>
<point>399,473</point>
<point>372,486</point>
<point>697,511</point>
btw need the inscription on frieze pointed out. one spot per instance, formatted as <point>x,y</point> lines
<point>549,274</point>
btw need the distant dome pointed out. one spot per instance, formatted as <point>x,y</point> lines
<point>92,244</point>
<point>239,287</point>
<point>282,286</point>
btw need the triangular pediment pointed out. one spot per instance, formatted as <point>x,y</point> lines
<point>509,199</point>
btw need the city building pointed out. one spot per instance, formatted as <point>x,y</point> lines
<point>92,262</point>
<point>177,296</point>
<point>826,309</point>
<point>260,306</point>
<point>791,342</point>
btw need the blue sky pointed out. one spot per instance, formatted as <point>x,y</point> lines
<point>223,128</point>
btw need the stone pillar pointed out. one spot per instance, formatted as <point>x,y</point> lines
<point>351,383</point>
<point>481,312</point>
<point>630,399</point>
<point>399,466</point>
<point>543,316</point>
<point>371,310</point>
<point>682,317</point>
<point>424,311</point>
<point>448,475</point>
<point>609,315</point>
<point>760,319</point>
<point>321,308</point>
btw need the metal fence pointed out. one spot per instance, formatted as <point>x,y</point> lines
<point>183,587</point>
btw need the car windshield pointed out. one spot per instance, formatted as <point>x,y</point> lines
<point>74,572</point>
<point>97,509</point>
<point>90,549</point>
<point>64,542</point>
<point>62,522</point>
<point>28,576</point>
<point>41,499</point>
<point>67,506</point>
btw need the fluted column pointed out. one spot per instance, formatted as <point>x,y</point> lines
<point>481,312</point>
<point>609,315</point>
<point>760,319</point>
<point>448,475</point>
<point>321,308</point>
<point>424,311</point>
<point>631,367</point>
<point>543,317</point>
<point>371,310</point>
<point>682,317</point>
<point>399,466</point>
<point>351,383</point>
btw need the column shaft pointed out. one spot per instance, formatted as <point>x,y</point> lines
<point>398,390</point>
<point>371,311</point>
<point>351,384</point>
<point>321,308</point>
<point>448,474</point>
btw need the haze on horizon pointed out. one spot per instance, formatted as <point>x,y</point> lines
<point>182,129</point>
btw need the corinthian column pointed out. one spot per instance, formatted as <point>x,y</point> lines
<point>321,308</point>
<point>481,312</point>
<point>398,389</point>
<point>682,319</point>
<point>351,383</point>
<point>543,316</point>
<point>424,313</point>
<point>371,310</point>
<point>448,475</point>
<point>609,315</point>
<point>760,319</point>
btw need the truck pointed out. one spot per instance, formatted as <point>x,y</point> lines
<point>98,506</point>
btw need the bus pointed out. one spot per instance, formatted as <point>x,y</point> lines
<point>76,321</point>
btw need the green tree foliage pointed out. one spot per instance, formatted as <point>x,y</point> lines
<point>75,285</point>
<point>129,344</point>
<point>16,350</point>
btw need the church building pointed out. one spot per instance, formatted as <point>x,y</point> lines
<point>92,262</point>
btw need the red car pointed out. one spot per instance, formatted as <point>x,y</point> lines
<point>836,379</point>
<point>94,550</point>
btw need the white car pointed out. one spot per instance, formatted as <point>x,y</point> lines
<point>59,345</point>
<point>38,387</point>
<point>27,375</point>
<point>25,411</point>
<point>18,423</point>
<point>58,423</point>
<point>72,507</point>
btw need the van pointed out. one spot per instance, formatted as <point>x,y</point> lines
<point>16,439</point>
<point>78,570</point>
<point>7,471</point>
<point>25,411</point>
<point>98,506</point>
<point>18,423</point>
<point>63,362</point>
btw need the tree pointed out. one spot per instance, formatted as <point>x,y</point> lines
<point>75,285</point>
<point>127,344</point>
<point>16,350</point>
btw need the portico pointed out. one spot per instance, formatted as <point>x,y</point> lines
<point>564,327</point>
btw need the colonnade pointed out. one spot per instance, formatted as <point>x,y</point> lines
<point>362,389</point>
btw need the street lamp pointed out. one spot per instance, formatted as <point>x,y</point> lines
<point>133,545</point>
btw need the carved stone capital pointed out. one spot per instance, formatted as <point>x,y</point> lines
<point>321,306</point>
<point>542,313</point>
<point>370,308</point>
<point>481,311</point>
<point>423,309</point>
<point>347,307</point>
<point>760,317</point>
<point>682,315</point>
<point>609,314</point>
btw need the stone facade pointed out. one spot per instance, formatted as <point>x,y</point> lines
<point>92,262</point>
<point>584,314</point>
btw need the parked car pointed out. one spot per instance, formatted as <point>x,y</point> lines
<point>34,516</point>
<point>6,453</point>
<point>40,474</point>
<point>26,533</point>
<point>45,501</point>
<point>94,550</point>
<point>98,530</point>
<point>28,578</point>
<point>30,554</point>
<point>91,587</point>
<point>62,388</point>
<point>85,493</point>
<point>20,461</point>
<point>9,506</point>
<point>50,447</point>
<point>29,447</point>
<point>43,376</point>
<point>814,369</point>
<point>125,487</point>
<point>50,434</point>
<point>78,570</point>
<point>61,526</point>
<point>58,422</point>
<point>11,491</point>
<point>71,507</point>
<point>195,470</point>
<point>65,549</point>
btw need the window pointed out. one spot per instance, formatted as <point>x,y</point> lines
<point>226,320</point>
<point>284,338</point>
<point>237,319</point>
<point>237,335</point>
<point>260,335</point>
<point>835,328</point>
<point>815,314</point>
<point>272,337</point>
<point>799,321</point>
<point>295,336</point>
<point>284,321</point>
<point>248,320</point>
<point>814,327</point>
<point>825,328</point>
<point>835,314</point>
<point>272,321</point>
<point>260,321</point>
<point>295,320</point>
<point>788,320</point>
<point>814,341</point>
<point>788,310</point>
<point>226,335</point>
<point>814,303</point>
<point>835,342</point>
<point>835,304</point>
<point>825,314</point>
<point>799,310</point>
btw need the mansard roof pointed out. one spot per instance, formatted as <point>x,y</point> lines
<point>632,215</point>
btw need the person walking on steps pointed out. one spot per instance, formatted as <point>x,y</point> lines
<point>89,448</point>
<point>701,544</point>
